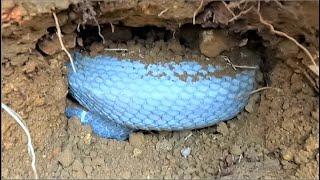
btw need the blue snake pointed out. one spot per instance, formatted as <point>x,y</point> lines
<point>120,96</point>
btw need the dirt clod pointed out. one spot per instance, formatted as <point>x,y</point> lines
<point>66,157</point>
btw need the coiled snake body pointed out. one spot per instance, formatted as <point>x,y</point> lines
<point>121,96</point>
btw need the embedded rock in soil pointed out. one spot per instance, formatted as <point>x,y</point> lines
<point>213,42</point>
<point>66,157</point>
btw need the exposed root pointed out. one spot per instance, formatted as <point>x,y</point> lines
<point>61,42</point>
<point>99,31</point>
<point>196,12</point>
<point>265,88</point>
<point>226,5</point>
<point>20,121</point>
<point>109,49</point>
<point>314,67</point>
<point>112,27</point>
<point>241,14</point>
<point>91,14</point>
<point>162,12</point>
<point>234,67</point>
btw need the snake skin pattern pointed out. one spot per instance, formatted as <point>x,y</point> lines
<point>124,95</point>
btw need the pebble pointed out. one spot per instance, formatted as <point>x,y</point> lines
<point>287,154</point>
<point>185,152</point>
<point>236,150</point>
<point>136,139</point>
<point>222,128</point>
<point>137,152</point>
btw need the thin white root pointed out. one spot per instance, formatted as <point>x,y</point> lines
<point>61,42</point>
<point>264,88</point>
<point>196,12</point>
<point>162,12</point>
<point>245,67</point>
<point>112,27</point>
<point>314,67</point>
<point>240,14</point>
<point>99,30</point>
<point>20,121</point>
<point>226,5</point>
<point>110,49</point>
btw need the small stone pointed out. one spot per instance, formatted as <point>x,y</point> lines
<point>164,145</point>
<point>66,157</point>
<point>236,150</point>
<point>185,152</point>
<point>315,115</point>
<point>311,144</point>
<point>212,43</point>
<point>222,128</point>
<point>287,154</point>
<point>252,101</point>
<point>301,157</point>
<point>136,139</point>
<point>136,152</point>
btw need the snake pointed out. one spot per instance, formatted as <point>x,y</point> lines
<point>119,96</point>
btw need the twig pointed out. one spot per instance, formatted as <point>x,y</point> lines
<point>311,67</point>
<point>61,42</point>
<point>111,49</point>
<point>196,12</point>
<point>162,12</point>
<point>240,14</point>
<point>20,121</point>
<point>278,3</point>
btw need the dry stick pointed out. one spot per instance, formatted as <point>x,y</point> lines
<point>311,67</point>
<point>20,121</point>
<point>162,12</point>
<point>196,12</point>
<point>61,42</point>
<point>245,67</point>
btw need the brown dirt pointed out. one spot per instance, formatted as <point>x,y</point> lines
<point>277,139</point>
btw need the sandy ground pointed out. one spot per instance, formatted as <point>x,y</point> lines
<point>276,136</point>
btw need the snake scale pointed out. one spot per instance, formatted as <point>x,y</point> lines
<point>120,96</point>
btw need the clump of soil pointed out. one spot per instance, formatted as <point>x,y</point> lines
<point>276,136</point>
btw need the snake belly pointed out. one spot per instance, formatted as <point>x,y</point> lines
<point>123,95</point>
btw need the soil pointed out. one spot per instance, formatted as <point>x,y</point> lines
<point>276,136</point>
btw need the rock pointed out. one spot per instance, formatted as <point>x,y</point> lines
<point>137,152</point>
<point>50,44</point>
<point>164,145</point>
<point>236,150</point>
<point>315,115</point>
<point>66,157</point>
<point>301,157</point>
<point>252,101</point>
<point>213,42</point>
<point>185,152</point>
<point>69,28</point>
<point>287,154</point>
<point>222,128</point>
<point>311,144</point>
<point>136,139</point>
